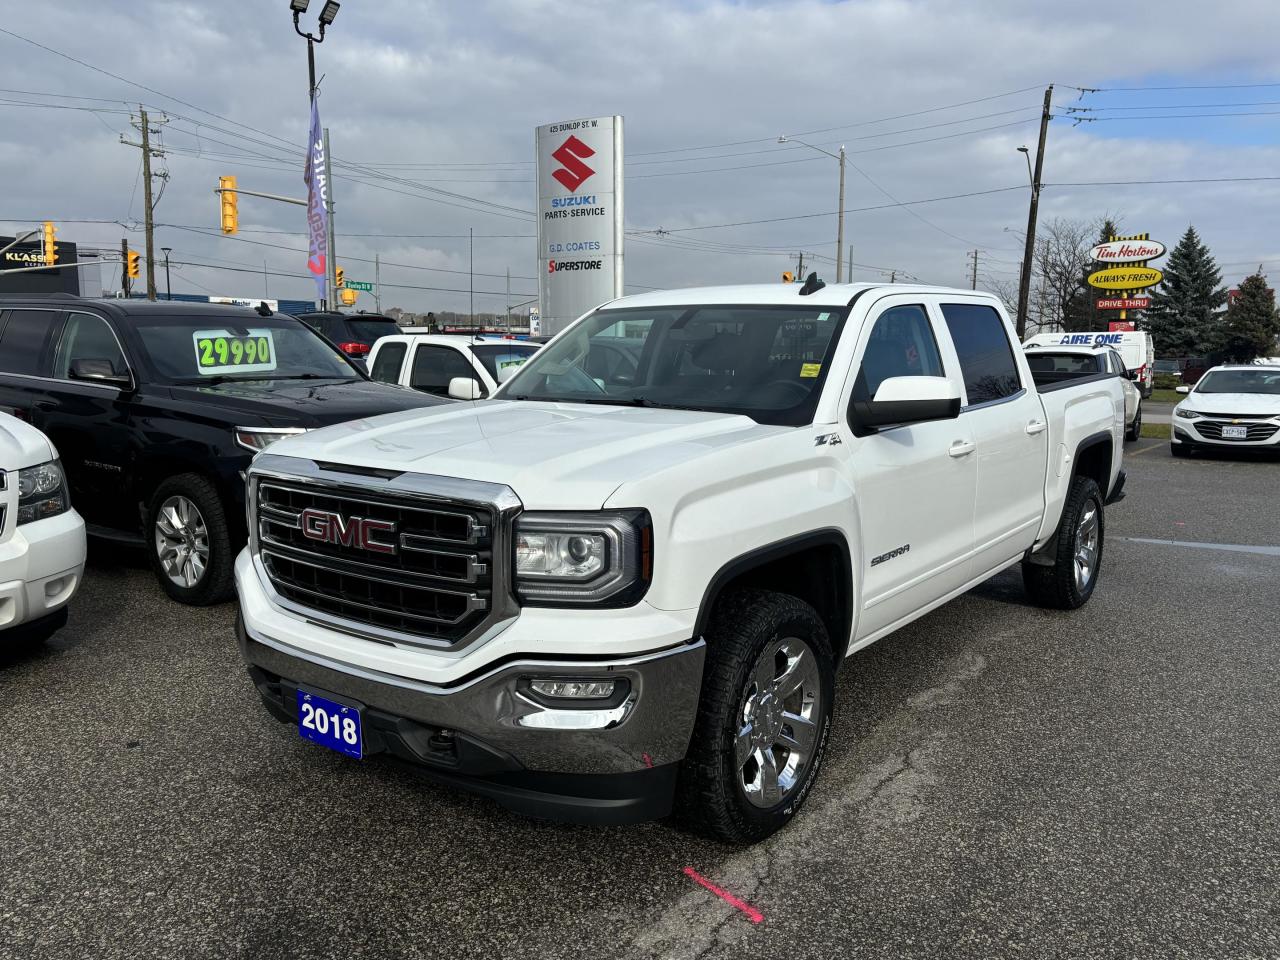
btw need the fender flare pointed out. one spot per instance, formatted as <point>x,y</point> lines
<point>761,556</point>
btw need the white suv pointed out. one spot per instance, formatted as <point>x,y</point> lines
<point>42,542</point>
<point>459,366</point>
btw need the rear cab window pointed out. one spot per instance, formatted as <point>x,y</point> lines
<point>386,365</point>
<point>985,351</point>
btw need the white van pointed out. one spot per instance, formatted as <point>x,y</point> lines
<point>1134,346</point>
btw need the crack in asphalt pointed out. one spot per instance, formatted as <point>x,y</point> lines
<point>886,796</point>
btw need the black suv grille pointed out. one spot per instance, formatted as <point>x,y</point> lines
<point>423,570</point>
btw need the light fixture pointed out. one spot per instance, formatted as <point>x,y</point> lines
<point>298,6</point>
<point>329,13</point>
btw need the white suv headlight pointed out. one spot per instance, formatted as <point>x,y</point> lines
<point>42,492</point>
<point>1184,413</point>
<point>601,558</point>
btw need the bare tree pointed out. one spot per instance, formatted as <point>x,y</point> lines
<point>1061,263</point>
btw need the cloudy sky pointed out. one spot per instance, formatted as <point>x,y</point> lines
<point>432,106</point>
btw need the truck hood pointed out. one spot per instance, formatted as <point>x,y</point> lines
<point>1246,404</point>
<point>553,455</point>
<point>22,445</point>
<point>303,403</point>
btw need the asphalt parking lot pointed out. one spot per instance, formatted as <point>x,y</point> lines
<point>1002,781</point>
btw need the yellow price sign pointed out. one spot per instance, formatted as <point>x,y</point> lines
<point>223,351</point>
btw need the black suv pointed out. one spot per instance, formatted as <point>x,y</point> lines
<point>354,333</point>
<point>156,410</point>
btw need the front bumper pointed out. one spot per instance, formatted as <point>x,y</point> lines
<point>1263,434</point>
<point>613,764</point>
<point>41,566</point>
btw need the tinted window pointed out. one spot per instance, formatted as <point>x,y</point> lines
<point>86,337</point>
<point>1064,363</point>
<point>1263,380</point>
<point>434,367</point>
<point>901,345</point>
<point>23,341</point>
<point>369,330</point>
<point>386,367</point>
<point>986,359</point>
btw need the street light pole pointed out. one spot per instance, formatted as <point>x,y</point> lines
<point>327,15</point>
<point>168,289</point>
<point>1024,284</point>
<point>839,158</point>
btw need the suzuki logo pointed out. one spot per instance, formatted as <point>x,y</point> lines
<point>573,172</point>
<point>355,532</point>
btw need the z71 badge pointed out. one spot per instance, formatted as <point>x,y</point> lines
<point>897,552</point>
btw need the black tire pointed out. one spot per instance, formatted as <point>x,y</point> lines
<point>215,584</point>
<point>1058,587</point>
<point>710,798</point>
<point>1183,449</point>
<point>1135,429</point>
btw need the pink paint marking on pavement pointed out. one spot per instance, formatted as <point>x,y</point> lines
<point>648,760</point>
<point>752,914</point>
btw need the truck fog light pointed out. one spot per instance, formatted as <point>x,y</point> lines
<point>573,689</point>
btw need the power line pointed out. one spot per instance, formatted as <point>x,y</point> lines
<point>307,277</point>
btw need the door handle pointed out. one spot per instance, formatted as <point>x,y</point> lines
<point>1034,427</point>
<point>961,448</point>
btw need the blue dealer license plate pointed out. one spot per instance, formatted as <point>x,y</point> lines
<point>332,725</point>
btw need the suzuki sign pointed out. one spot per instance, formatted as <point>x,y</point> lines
<point>579,218</point>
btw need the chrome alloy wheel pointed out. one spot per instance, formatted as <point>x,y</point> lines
<point>1086,564</point>
<point>778,722</point>
<point>182,541</point>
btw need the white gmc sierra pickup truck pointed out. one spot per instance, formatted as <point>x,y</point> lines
<point>615,590</point>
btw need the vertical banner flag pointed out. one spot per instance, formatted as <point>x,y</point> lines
<point>317,196</point>
<point>579,218</point>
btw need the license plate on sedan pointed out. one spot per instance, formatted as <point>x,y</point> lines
<point>1235,433</point>
<point>332,725</point>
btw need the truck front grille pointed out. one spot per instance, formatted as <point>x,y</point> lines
<point>408,567</point>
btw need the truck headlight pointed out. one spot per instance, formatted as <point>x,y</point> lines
<point>42,492</point>
<point>1180,411</point>
<point>259,438</point>
<point>602,558</point>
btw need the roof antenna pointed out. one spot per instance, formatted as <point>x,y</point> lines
<point>262,309</point>
<point>811,285</point>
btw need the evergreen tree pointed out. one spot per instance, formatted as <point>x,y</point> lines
<point>1184,318</point>
<point>1252,324</point>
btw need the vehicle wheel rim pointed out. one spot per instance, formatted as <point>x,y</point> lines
<point>182,541</point>
<point>778,722</point>
<point>1086,546</point>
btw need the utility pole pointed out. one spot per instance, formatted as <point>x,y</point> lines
<point>471,247</point>
<point>973,281</point>
<point>840,227</point>
<point>893,276</point>
<point>143,124</point>
<point>124,266</point>
<point>508,330</point>
<point>800,267</point>
<point>849,276</point>
<point>331,280</point>
<point>1024,284</point>
<point>377,282</point>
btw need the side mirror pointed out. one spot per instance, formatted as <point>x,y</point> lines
<point>903,400</point>
<point>464,388</point>
<point>1182,389</point>
<point>99,371</point>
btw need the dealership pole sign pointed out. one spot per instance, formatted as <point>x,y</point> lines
<point>579,218</point>
<point>1124,267</point>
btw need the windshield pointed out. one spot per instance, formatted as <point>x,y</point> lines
<point>1063,363</point>
<point>197,349</point>
<point>1240,381</point>
<point>765,362</point>
<point>502,358</point>
<point>368,331</point>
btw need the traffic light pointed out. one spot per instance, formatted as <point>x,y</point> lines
<point>340,277</point>
<point>50,242</point>
<point>230,214</point>
<point>348,296</point>
<point>134,271</point>
<point>788,276</point>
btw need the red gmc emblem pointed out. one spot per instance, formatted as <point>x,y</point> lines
<point>357,532</point>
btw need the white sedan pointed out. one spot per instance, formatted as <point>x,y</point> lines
<point>1231,406</point>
